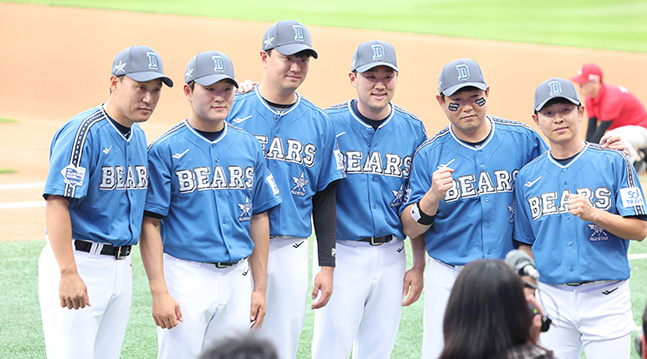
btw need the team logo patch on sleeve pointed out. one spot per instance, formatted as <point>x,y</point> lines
<point>246,209</point>
<point>270,180</point>
<point>631,196</point>
<point>73,175</point>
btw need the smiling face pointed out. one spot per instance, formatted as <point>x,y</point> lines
<point>466,110</point>
<point>210,104</point>
<point>131,101</point>
<point>375,90</point>
<point>559,120</point>
<point>285,73</point>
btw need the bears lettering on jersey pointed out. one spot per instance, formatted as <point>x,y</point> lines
<point>393,164</point>
<point>469,186</point>
<point>553,203</point>
<point>289,151</point>
<point>122,178</point>
<point>201,178</point>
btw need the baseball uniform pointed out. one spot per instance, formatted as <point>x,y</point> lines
<point>301,152</point>
<point>584,268</point>
<point>475,220</point>
<point>568,250</point>
<point>371,261</point>
<point>206,192</point>
<point>100,167</point>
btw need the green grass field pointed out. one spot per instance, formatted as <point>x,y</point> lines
<point>602,24</point>
<point>619,25</point>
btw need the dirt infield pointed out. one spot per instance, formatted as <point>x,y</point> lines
<point>55,62</point>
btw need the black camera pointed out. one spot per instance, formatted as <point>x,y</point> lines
<point>545,321</point>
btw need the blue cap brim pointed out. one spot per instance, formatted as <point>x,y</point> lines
<point>212,79</point>
<point>451,90</point>
<point>367,67</point>
<point>292,49</point>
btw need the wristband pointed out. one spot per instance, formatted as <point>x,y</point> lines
<point>421,217</point>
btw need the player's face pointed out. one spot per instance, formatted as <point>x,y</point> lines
<point>587,88</point>
<point>134,101</point>
<point>466,111</point>
<point>211,104</point>
<point>560,122</point>
<point>375,89</point>
<point>286,72</point>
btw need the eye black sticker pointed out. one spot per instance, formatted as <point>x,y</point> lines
<point>480,101</point>
<point>453,106</point>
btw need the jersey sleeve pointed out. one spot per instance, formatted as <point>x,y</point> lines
<point>332,167</point>
<point>611,105</point>
<point>72,161</point>
<point>266,192</point>
<point>419,181</point>
<point>630,199</point>
<point>158,197</point>
<point>522,226</point>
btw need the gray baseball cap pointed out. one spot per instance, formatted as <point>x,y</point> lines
<point>288,37</point>
<point>373,53</point>
<point>555,88</point>
<point>458,74</point>
<point>140,63</point>
<point>207,68</point>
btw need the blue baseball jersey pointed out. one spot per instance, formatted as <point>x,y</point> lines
<point>104,176</point>
<point>475,220</point>
<point>566,248</point>
<point>300,150</point>
<point>208,191</point>
<point>377,165</point>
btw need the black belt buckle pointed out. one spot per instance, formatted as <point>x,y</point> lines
<point>119,255</point>
<point>221,265</point>
<point>378,241</point>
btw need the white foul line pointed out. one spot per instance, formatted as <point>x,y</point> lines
<point>22,185</point>
<point>638,256</point>
<point>12,205</point>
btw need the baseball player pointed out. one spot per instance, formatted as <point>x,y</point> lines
<point>578,206</point>
<point>95,193</point>
<point>301,152</point>
<point>461,188</point>
<point>206,217</point>
<point>614,109</point>
<point>378,140</point>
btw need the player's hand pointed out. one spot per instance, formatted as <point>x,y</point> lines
<point>322,287</point>
<point>580,206</point>
<point>258,310</point>
<point>614,143</point>
<point>413,284</point>
<point>72,292</point>
<point>441,182</point>
<point>246,86</point>
<point>166,311</point>
<point>535,327</point>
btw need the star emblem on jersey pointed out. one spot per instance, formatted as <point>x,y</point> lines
<point>177,156</point>
<point>268,42</point>
<point>246,209</point>
<point>399,197</point>
<point>188,75</point>
<point>107,150</point>
<point>120,68</point>
<point>511,209</point>
<point>598,233</point>
<point>300,183</point>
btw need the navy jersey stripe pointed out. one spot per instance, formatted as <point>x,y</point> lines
<point>77,148</point>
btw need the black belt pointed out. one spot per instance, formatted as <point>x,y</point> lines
<point>585,282</point>
<point>377,241</point>
<point>108,249</point>
<point>226,264</point>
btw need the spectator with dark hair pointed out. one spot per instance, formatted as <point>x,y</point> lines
<point>487,315</point>
<point>246,347</point>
